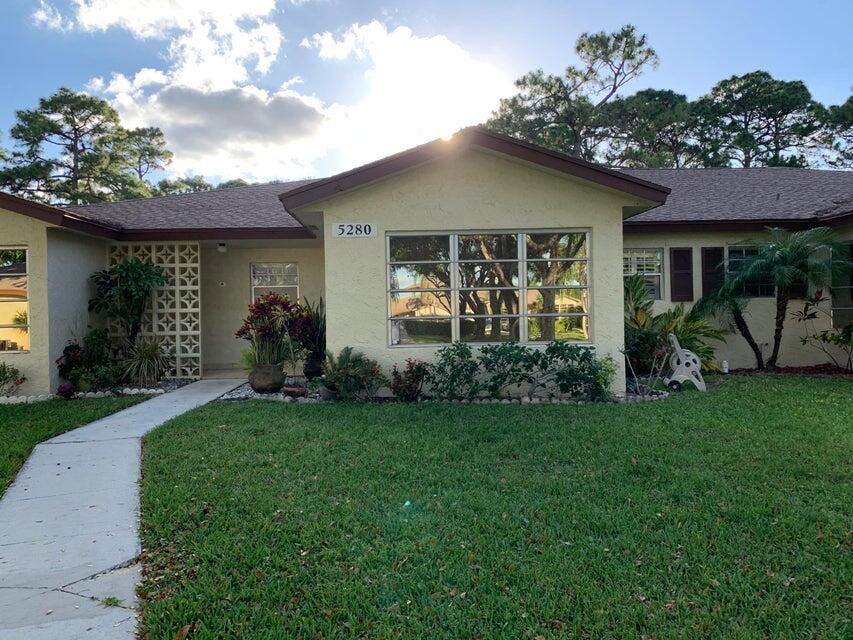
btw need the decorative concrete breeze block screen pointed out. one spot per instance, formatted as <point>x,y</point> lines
<point>174,312</point>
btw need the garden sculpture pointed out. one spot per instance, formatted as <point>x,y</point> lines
<point>684,366</point>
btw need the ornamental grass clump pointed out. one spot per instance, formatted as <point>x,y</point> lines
<point>147,361</point>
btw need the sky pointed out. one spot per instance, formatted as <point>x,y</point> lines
<point>286,89</point>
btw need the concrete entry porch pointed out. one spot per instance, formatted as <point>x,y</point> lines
<point>233,273</point>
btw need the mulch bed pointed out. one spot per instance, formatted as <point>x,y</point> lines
<point>815,371</point>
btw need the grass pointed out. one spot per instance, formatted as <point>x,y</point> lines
<point>721,515</point>
<point>23,426</point>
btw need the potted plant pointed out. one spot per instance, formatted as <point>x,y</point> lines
<point>309,328</point>
<point>270,345</point>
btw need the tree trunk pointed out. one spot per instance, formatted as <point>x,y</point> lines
<point>743,329</point>
<point>782,297</point>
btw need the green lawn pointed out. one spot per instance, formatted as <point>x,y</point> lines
<point>23,426</point>
<point>724,515</point>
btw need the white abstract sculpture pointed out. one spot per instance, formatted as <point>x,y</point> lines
<point>684,366</point>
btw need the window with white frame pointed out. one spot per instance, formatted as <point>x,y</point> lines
<point>842,293</point>
<point>647,263</point>
<point>760,286</point>
<point>275,277</point>
<point>488,287</point>
<point>14,300</point>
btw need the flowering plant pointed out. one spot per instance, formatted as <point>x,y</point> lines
<point>65,390</point>
<point>407,384</point>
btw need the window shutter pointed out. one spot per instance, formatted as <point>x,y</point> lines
<point>798,290</point>
<point>681,274</point>
<point>713,269</point>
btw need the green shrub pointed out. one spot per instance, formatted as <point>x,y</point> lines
<point>640,348</point>
<point>572,369</point>
<point>122,292</point>
<point>509,365</point>
<point>10,379</point>
<point>352,375</point>
<point>88,364</point>
<point>576,371</point>
<point>455,373</point>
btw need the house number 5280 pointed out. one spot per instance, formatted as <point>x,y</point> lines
<point>354,230</point>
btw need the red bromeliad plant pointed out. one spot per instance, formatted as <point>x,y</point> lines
<point>269,316</point>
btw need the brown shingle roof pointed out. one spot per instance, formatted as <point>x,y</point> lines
<point>248,207</point>
<point>766,195</point>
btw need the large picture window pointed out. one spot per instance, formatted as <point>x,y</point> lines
<point>759,287</point>
<point>649,264</point>
<point>488,287</point>
<point>14,300</point>
<point>275,277</point>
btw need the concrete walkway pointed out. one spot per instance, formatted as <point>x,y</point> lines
<point>69,533</point>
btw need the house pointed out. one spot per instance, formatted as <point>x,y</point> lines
<point>480,238</point>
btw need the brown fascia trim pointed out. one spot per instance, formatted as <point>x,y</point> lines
<point>717,225</point>
<point>838,220</point>
<point>474,136</point>
<point>211,233</point>
<point>56,216</point>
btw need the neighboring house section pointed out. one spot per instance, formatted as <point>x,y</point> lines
<point>480,238</point>
<point>685,247</point>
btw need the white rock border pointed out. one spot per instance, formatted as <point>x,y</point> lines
<point>26,399</point>
<point>127,391</point>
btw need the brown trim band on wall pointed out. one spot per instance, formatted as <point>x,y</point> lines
<point>681,274</point>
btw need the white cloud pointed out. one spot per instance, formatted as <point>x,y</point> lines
<point>220,124</point>
<point>239,132</point>
<point>214,44</point>
<point>47,15</point>
<point>160,18</point>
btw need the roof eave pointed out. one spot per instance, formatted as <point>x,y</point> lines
<point>56,216</point>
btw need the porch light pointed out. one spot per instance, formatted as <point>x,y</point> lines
<point>222,247</point>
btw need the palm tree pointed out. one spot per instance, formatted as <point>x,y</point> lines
<point>729,305</point>
<point>789,259</point>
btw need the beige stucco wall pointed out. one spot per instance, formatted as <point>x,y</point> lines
<point>226,290</point>
<point>475,191</point>
<point>19,231</point>
<point>760,311</point>
<point>71,259</point>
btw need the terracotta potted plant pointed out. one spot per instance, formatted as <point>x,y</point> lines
<point>270,347</point>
